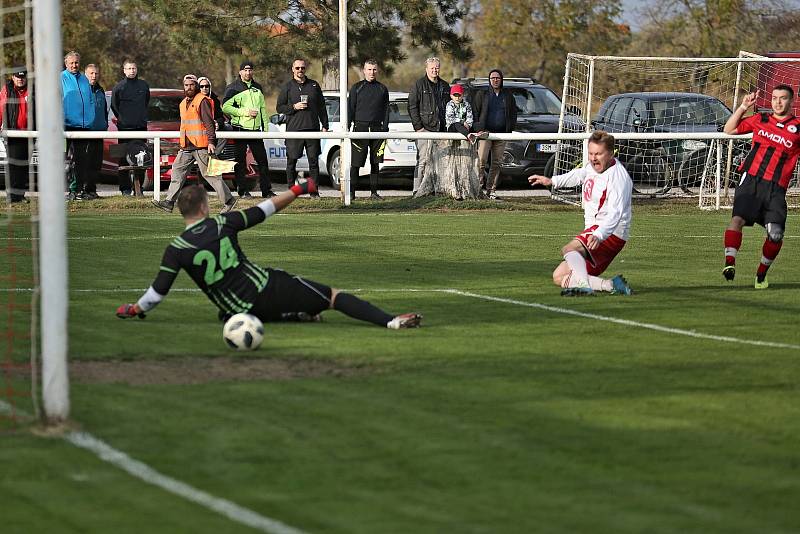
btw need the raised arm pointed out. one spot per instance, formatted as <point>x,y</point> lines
<point>736,117</point>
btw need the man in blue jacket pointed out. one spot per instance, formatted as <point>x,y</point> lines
<point>79,112</point>
<point>100,124</point>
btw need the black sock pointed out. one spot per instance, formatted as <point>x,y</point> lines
<point>360,309</point>
<point>373,182</point>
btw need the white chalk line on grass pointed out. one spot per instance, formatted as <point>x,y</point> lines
<point>626,322</point>
<point>147,474</point>
<point>554,309</point>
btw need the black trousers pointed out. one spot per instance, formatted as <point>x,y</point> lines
<point>259,154</point>
<point>95,150</point>
<point>81,162</point>
<point>294,151</point>
<point>124,177</point>
<point>17,154</point>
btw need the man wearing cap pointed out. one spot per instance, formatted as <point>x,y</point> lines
<point>14,116</point>
<point>495,111</point>
<point>243,102</point>
<point>129,101</point>
<point>426,106</point>
<point>197,142</point>
<point>301,100</point>
<point>79,110</point>
<point>100,124</point>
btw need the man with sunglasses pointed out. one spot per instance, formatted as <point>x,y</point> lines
<point>301,100</point>
<point>243,102</point>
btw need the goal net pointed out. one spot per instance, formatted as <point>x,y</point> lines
<point>668,115</point>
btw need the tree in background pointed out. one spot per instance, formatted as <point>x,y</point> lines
<point>533,37</point>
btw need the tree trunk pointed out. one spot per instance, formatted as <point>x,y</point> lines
<point>330,73</point>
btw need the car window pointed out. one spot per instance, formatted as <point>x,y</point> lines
<point>620,112</point>
<point>398,111</point>
<point>535,100</point>
<point>638,111</point>
<point>332,105</point>
<point>691,111</point>
<point>164,108</point>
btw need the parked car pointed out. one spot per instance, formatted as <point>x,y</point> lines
<point>538,111</point>
<point>657,166</point>
<point>399,159</point>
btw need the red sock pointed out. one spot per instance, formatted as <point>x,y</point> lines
<point>768,254</point>
<point>733,242</point>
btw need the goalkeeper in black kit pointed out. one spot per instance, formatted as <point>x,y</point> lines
<point>208,249</point>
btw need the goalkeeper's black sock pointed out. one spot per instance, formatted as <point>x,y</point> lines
<point>360,309</point>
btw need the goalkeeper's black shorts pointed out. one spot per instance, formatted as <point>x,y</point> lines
<point>760,201</point>
<point>288,293</point>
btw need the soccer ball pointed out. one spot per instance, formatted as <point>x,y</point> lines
<point>243,332</point>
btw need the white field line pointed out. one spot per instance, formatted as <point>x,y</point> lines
<point>149,475</point>
<point>626,322</point>
<point>167,237</point>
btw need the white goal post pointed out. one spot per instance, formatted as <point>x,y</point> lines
<point>668,113</point>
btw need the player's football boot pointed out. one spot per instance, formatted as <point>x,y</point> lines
<point>229,205</point>
<point>620,286</point>
<point>577,292</point>
<point>407,320</point>
<point>729,272</point>
<point>761,282</point>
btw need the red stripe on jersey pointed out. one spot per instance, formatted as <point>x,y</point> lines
<point>602,200</point>
<point>775,149</point>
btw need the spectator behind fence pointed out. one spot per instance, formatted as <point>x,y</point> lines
<point>458,115</point>
<point>368,111</point>
<point>243,102</point>
<point>129,101</point>
<point>79,110</point>
<point>426,106</point>
<point>198,139</point>
<point>14,116</point>
<point>301,100</point>
<point>220,121</point>
<point>100,124</point>
<point>495,111</point>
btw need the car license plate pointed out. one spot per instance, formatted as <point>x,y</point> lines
<point>412,147</point>
<point>550,147</point>
<point>35,160</point>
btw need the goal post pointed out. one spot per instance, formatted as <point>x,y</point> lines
<point>52,212</point>
<point>686,99</point>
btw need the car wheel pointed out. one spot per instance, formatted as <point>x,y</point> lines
<point>550,166</point>
<point>651,173</point>
<point>690,171</point>
<point>334,163</point>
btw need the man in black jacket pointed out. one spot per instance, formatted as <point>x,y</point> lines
<point>368,111</point>
<point>427,101</point>
<point>129,101</point>
<point>301,100</point>
<point>14,102</point>
<point>495,111</point>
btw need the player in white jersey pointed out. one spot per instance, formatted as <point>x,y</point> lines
<point>606,198</point>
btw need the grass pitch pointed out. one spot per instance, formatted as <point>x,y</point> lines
<point>505,415</point>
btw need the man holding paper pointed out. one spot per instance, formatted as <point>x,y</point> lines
<point>197,142</point>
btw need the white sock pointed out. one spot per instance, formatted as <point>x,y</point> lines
<point>600,284</point>
<point>577,263</point>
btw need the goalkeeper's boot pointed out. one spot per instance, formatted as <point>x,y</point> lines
<point>729,272</point>
<point>224,316</point>
<point>620,286</point>
<point>761,282</point>
<point>406,320</point>
<point>301,317</point>
<point>166,205</point>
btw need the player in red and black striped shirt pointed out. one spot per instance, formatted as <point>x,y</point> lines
<point>761,194</point>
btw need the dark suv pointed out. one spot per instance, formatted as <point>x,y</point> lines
<point>538,111</point>
<point>657,166</point>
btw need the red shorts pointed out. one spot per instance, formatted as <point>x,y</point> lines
<point>598,260</point>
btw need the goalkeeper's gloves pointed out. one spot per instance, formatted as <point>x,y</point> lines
<point>304,186</point>
<point>126,311</point>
